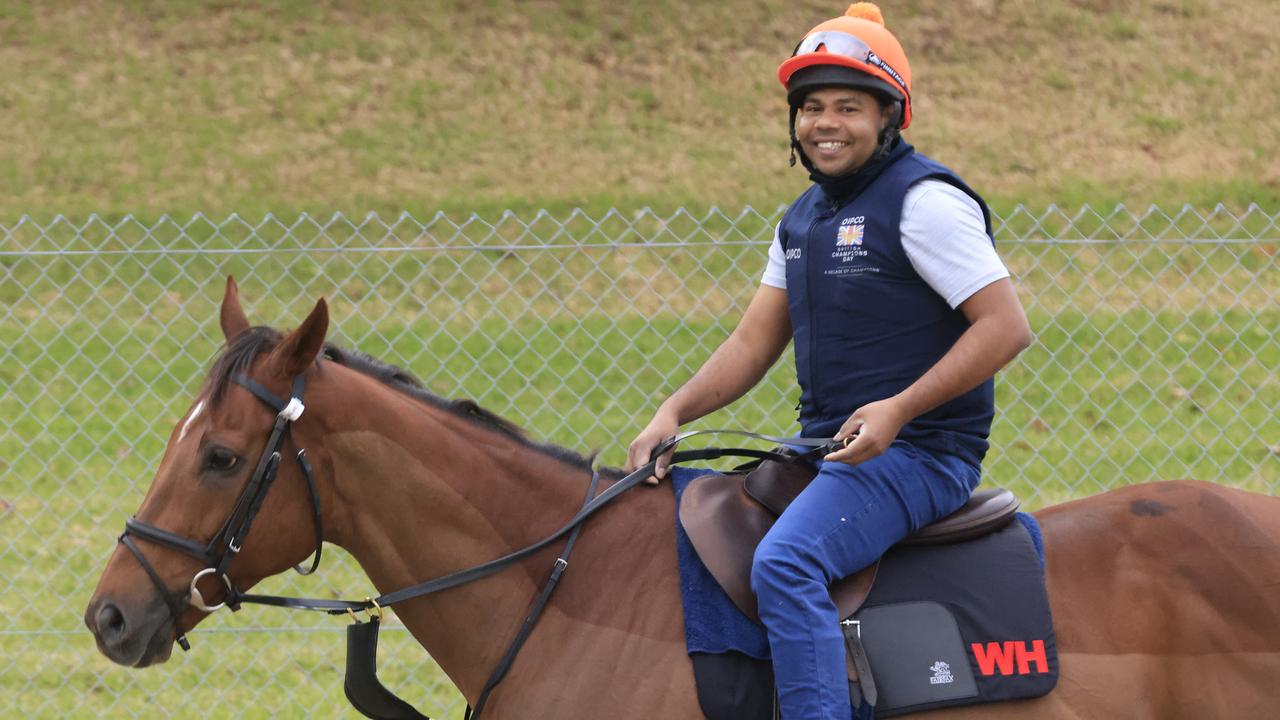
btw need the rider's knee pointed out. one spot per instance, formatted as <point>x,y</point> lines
<point>780,567</point>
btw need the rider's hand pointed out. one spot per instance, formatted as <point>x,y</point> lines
<point>662,426</point>
<point>873,428</point>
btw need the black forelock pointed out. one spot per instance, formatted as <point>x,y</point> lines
<point>239,355</point>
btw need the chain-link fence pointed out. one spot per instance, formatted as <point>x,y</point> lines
<point>1156,357</point>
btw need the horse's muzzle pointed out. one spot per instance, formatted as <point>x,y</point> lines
<point>131,635</point>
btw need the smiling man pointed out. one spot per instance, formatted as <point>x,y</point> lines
<point>884,275</point>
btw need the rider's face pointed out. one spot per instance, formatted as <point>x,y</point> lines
<point>838,128</point>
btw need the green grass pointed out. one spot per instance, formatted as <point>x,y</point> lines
<point>150,107</point>
<point>1152,361</point>
<point>233,671</point>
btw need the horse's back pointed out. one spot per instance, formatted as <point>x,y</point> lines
<point>1167,593</point>
<point>1144,554</point>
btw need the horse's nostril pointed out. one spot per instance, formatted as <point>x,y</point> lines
<point>110,621</point>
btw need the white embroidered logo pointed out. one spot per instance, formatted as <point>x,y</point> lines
<point>941,674</point>
<point>850,231</point>
<point>849,239</point>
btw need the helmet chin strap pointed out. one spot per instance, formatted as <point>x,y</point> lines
<point>795,142</point>
<point>889,133</point>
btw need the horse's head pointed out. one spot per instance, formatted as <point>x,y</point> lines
<point>195,534</point>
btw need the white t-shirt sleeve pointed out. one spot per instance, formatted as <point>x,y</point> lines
<point>945,239</point>
<point>775,272</point>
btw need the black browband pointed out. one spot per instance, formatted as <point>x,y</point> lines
<point>226,543</point>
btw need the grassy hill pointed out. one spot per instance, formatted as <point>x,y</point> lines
<point>158,106</point>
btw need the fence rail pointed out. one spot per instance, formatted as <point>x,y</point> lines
<point>1156,357</point>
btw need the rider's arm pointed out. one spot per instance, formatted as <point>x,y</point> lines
<point>733,369</point>
<point>945,237</point>
<point>998,331</point>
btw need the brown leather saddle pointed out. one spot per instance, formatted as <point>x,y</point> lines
<point>726,516</point>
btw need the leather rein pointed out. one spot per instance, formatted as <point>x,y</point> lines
<point>219,551</point>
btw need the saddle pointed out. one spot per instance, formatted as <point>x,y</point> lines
<point>726,516</point>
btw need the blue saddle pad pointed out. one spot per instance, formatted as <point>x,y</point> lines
<point>712,623</point>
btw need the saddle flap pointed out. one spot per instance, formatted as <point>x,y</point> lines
<point>775,484</point>
<point>724,525</point>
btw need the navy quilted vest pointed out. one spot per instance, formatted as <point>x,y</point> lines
<point>864,323</point>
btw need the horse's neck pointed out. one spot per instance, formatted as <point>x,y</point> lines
<point>418,493</point>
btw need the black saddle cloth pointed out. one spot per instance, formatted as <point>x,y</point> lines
<point>944,625</point>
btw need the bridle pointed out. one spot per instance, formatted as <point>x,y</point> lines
<point>217,554</point>
<point>219,551</point>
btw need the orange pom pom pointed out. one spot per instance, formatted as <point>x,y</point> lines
<point>866,11</point>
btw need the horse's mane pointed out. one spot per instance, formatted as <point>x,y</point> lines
<point>242,350</point>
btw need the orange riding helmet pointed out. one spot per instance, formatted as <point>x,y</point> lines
<point>854,50</point>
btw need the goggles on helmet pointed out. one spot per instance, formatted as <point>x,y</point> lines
<point>850,46</point>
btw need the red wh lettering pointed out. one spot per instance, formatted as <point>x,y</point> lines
<point>1003,656</point>
<point>993,654</point>
<point>1035,653</point>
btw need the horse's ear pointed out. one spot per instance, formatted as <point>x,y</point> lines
<point>233,318</point>
<point>300,348</point>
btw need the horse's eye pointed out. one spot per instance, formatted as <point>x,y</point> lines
<point>220,459</point>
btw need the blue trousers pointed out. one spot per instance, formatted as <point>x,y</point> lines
<point>846,519</point>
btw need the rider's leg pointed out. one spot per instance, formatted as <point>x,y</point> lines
<point>842,522</point>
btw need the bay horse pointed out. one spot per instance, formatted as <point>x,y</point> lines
<point>1165,597</point>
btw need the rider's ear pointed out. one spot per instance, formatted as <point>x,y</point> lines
<point>300,348</point>
<point>233,318</point>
